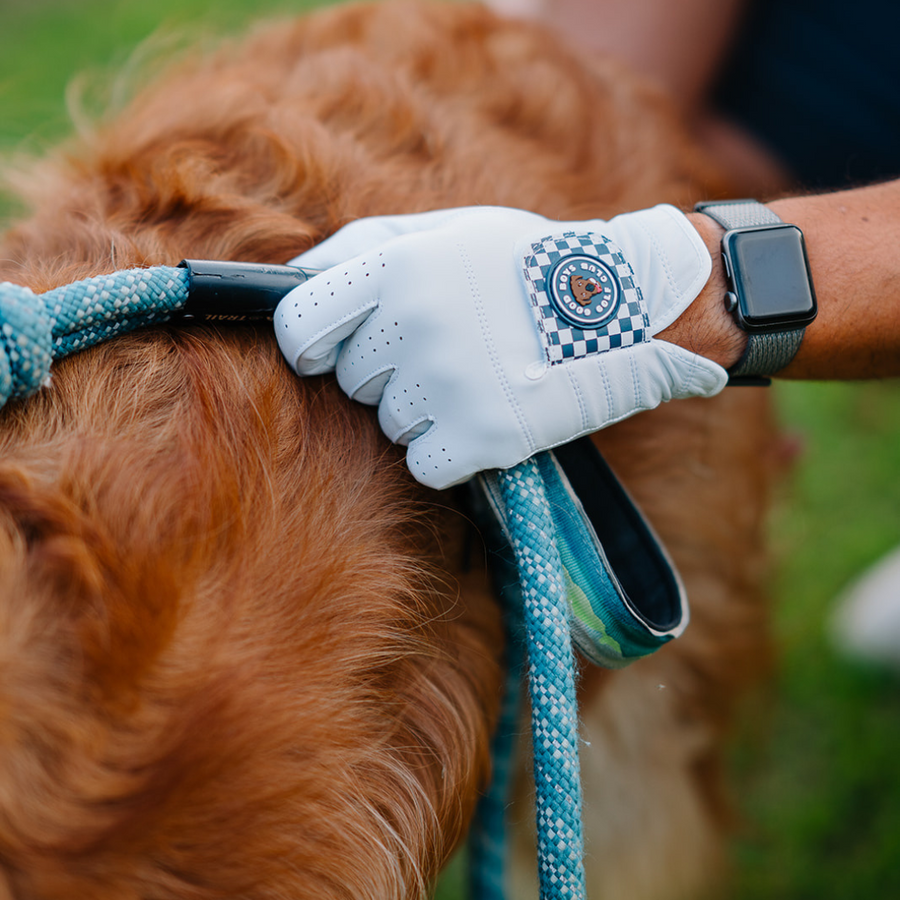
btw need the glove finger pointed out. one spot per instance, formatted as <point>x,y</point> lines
<point>364,235</point>
<point>414,431</point>
<point>313,320</point>
<point>401,414</point>
<point>691,375</point>
<point>371,389</point>
<point>436,462</point>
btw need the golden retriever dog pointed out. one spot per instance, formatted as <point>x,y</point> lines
<point>242,653</point>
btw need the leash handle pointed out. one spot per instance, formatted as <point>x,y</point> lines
<point>237,291</point>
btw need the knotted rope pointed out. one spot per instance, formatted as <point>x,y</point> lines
<point>38,328</point>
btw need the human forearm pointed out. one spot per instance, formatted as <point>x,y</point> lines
<point>852,240</point>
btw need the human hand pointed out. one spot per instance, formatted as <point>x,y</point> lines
<point>485,335</point>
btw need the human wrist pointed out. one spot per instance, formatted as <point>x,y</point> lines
<point>705,327</point>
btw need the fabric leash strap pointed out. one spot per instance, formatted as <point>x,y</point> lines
<point>590,570</point>
<point>624,596</point>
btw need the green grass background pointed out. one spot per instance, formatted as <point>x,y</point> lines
<point>819,777</point>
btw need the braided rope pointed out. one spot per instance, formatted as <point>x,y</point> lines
<point>37,328</point>
<point>488,835</point>
<point>551,681</point>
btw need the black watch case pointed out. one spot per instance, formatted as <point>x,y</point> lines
<point>768,271</point>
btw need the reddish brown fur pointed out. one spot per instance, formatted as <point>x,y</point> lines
<point>237,655</point>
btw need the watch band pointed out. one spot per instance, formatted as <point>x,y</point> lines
<point>770,352</point>
<point>732,214</point>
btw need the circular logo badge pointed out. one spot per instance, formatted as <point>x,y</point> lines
<point>583,290</point>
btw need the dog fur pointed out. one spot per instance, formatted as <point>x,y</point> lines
<point>240,654</point>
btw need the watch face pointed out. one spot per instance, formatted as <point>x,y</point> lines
<point>770,276</point>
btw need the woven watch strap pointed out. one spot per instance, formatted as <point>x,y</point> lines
<point>739,213</point>
<point>769,352</point>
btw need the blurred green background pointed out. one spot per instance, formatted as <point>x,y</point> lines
<point>819,777</point>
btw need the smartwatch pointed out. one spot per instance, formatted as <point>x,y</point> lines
<point>770,292</point>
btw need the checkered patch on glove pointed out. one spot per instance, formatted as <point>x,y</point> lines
<point>584,296</point>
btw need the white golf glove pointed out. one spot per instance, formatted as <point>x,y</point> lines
<point>486,334</point>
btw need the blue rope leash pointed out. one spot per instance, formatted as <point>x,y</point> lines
<point>554,590</point>
<point>551,684</point>
<point>576,564</point>
<point>35,329</point>
<point>38,328</point>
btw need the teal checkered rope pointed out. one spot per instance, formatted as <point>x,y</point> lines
<point>38,328</point>
<point>551,682</point>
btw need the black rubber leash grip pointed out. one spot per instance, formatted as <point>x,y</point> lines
<point>235,291</point>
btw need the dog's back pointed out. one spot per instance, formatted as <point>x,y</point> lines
<point>238,656</point>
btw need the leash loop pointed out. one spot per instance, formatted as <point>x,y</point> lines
<point>26,342</point>
<point>35,329</point>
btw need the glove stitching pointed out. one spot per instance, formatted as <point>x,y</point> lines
<point>691,375</point>
<point>663,260</point>
<point>579,396</point>
<point>661,255</point>
<point>492,350</point>
<point>689,386</point>
<point>636,384</point>
<point>607,388</point>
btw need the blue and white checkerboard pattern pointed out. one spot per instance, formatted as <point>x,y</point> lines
<point>563,341</point>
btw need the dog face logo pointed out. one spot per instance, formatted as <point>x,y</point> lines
<point>583,290</point>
